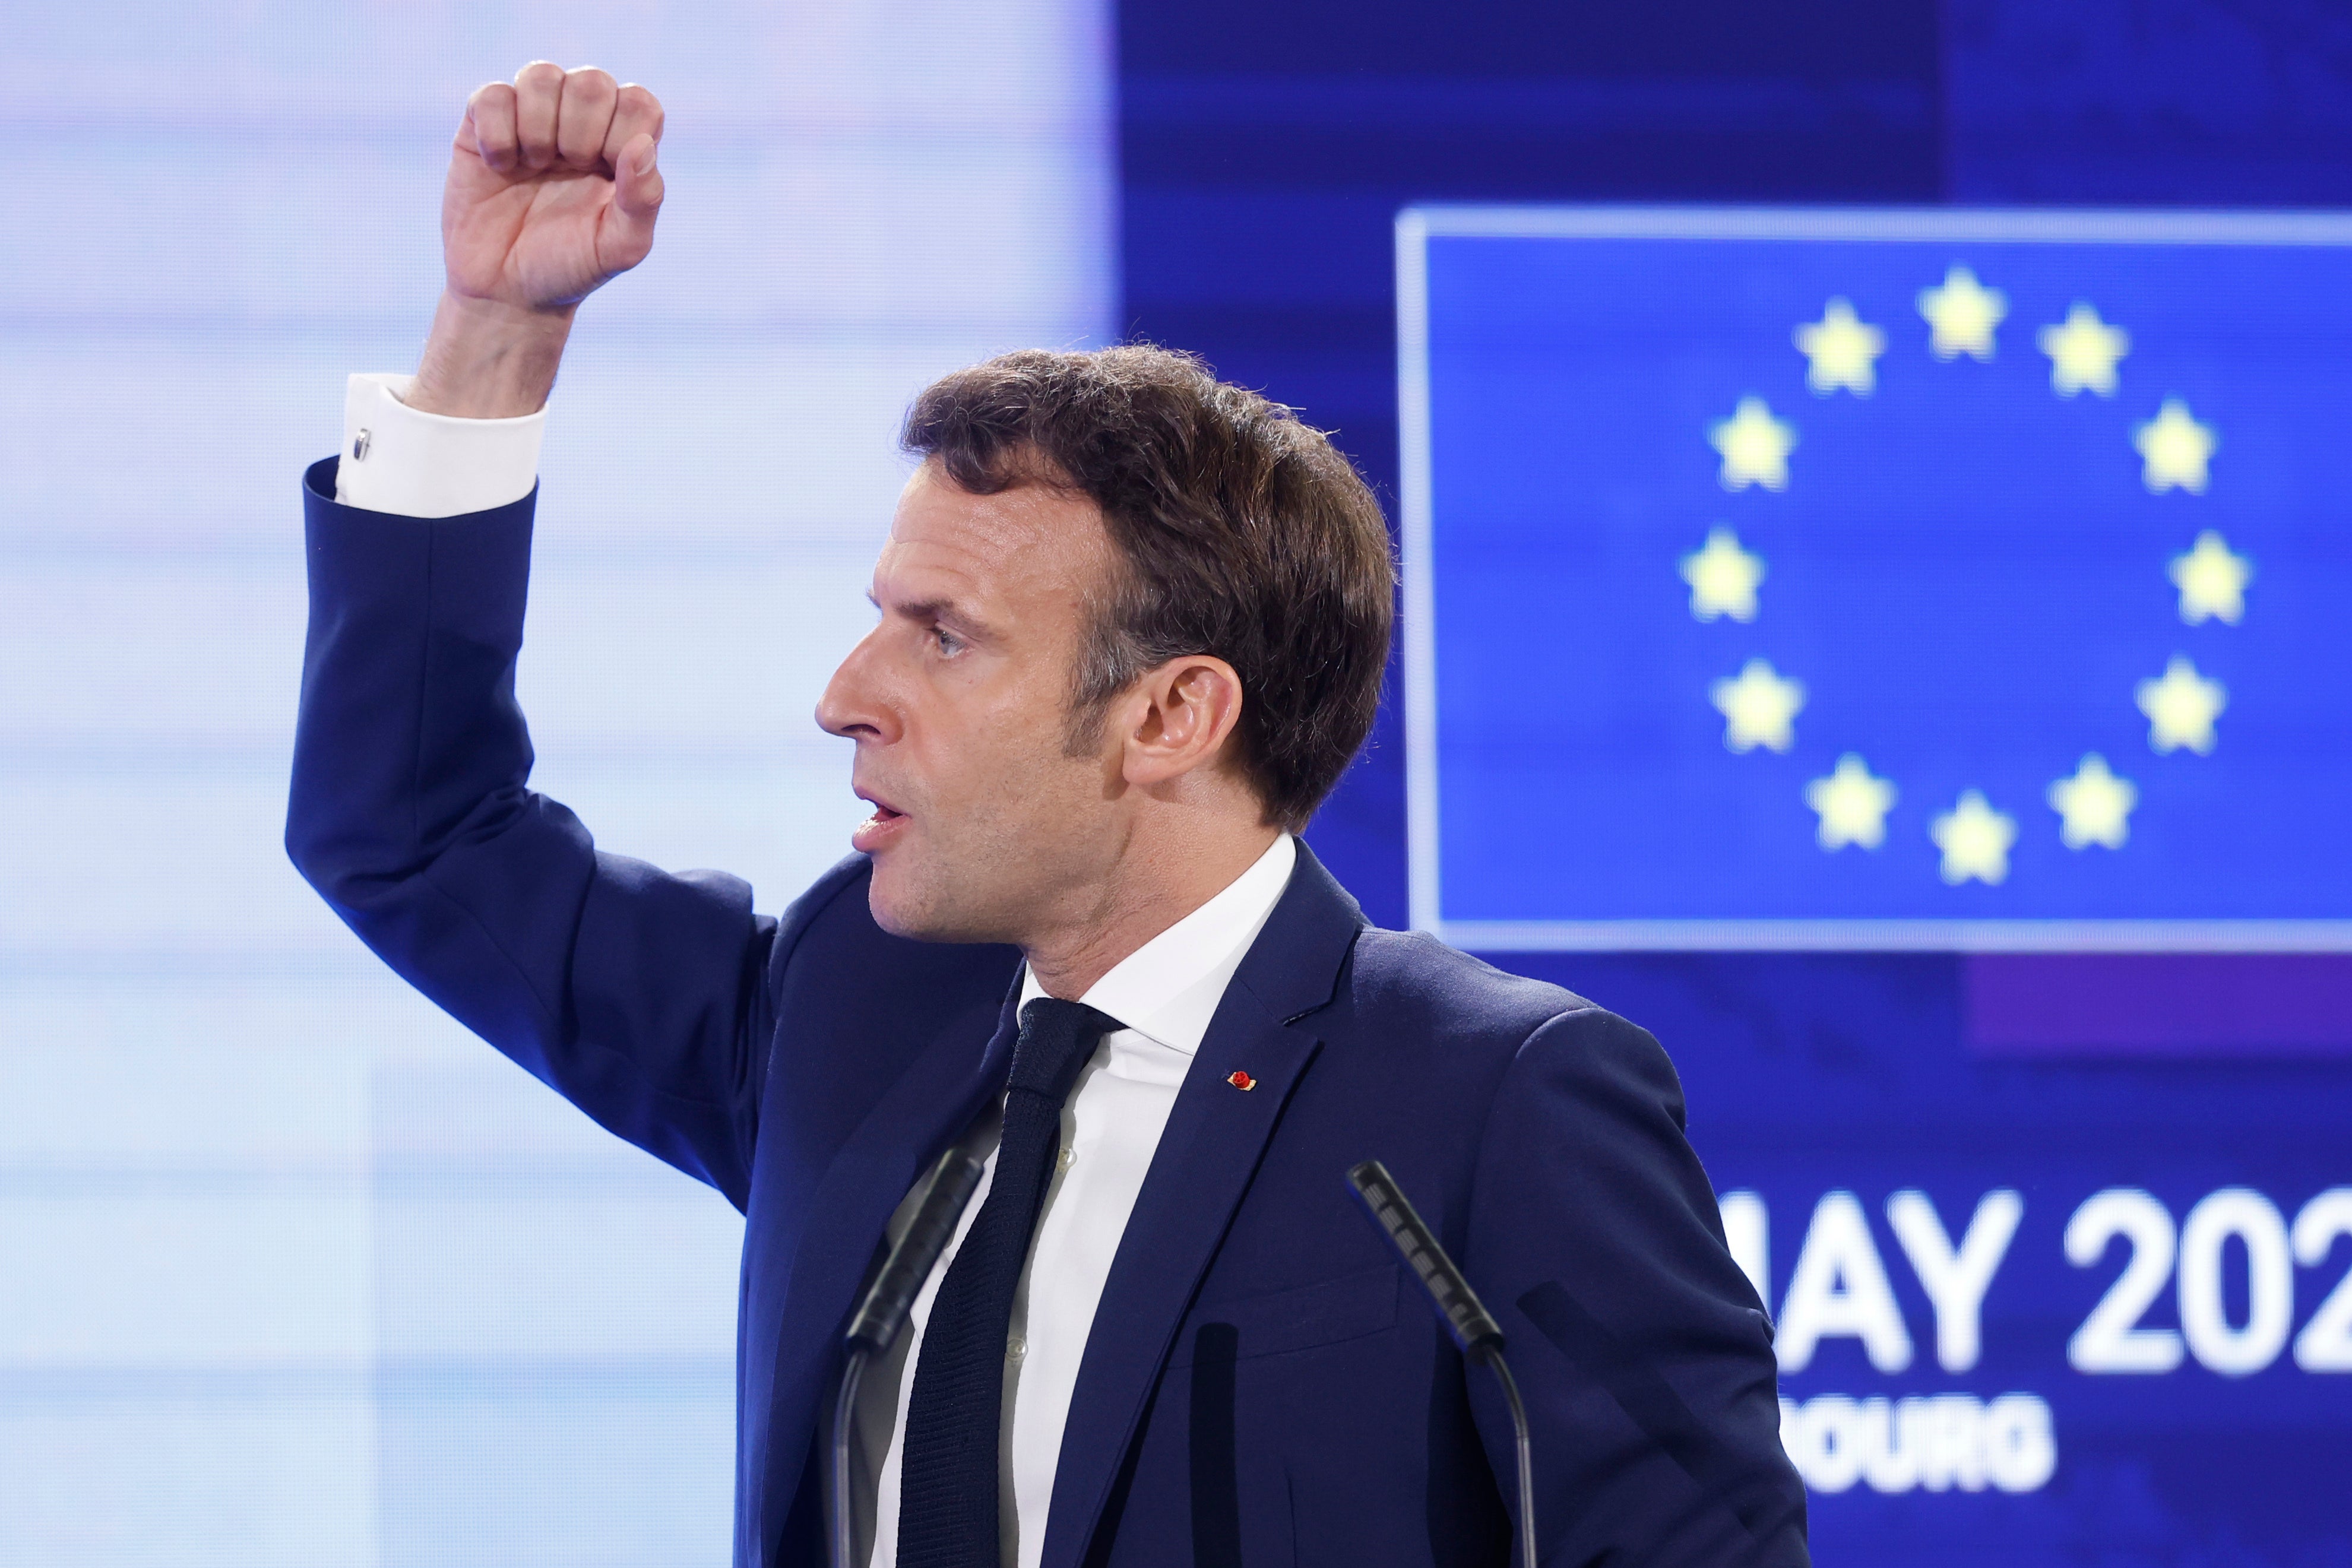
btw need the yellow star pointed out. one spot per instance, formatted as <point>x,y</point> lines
<point>2175,449</point>
<point>2083,352</point>
<point>1851,804</point>
<point>1757,707</point>
<point>1722,577</point>
<point>2094,806</point>
<point>1961,315</point>
<point>2211,581</point>
<point>1755,447</point>
<point>1844,350</point>
<point>1975,840</point>
<point>2181,706</point>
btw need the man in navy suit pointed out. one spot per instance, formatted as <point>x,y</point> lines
<point>1132,624</point>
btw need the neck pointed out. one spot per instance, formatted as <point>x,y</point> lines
<point>1154,886</point>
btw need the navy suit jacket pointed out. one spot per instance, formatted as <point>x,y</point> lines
<point>1263,1384</point>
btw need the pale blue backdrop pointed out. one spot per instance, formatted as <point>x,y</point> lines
<point>293,1272</point>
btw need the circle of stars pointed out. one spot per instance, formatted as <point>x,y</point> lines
<point>1759,704</point>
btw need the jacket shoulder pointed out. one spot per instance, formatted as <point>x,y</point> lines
<point>1420,982</point>
<point>1492,1026</point>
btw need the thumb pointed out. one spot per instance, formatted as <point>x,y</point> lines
<point>627,236</point>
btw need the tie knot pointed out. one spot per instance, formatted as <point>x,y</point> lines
<point>1056,1038</point>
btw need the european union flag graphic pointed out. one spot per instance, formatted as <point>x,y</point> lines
<point>1878,580</point>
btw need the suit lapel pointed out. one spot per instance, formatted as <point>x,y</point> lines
<point>930,1104</point>
<point>1207,1156</point>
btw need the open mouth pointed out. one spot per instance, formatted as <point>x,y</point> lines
<point>878,828</point>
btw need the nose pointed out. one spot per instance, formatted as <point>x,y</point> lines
<point>852,706</point>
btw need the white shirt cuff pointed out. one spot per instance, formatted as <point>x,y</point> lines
<point>397,459</point>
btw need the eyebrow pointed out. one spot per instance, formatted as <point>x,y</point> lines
<point>936,610</point>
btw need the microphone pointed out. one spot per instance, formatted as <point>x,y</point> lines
<point>884,1311</point>
<point>882,1314</point>
<point>1466,1318</point>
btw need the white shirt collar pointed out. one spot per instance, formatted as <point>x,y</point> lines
<point>1168,989</point>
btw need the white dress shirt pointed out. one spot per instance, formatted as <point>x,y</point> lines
<point>1165,992</point>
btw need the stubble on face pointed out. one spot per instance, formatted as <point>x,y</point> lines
<point>960,705</point>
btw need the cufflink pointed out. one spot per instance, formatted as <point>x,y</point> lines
<point>360,445</point>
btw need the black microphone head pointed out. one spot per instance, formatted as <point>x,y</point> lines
<point>884,1311</point>
<point>1468,1320</point>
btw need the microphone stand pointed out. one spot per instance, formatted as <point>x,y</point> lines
<point>1477,1334</point>
<point>882,1314</point>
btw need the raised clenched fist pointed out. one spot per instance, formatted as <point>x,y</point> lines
<point>553,187</point>
<point>552,191</point>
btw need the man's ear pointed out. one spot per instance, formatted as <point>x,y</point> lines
<point>1189,708</point>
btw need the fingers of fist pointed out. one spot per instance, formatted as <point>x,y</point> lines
<point>539,94</point>
<point>583,115</point>
<point>549,118</point>
<point>635,113</point>
<point>491,115</point>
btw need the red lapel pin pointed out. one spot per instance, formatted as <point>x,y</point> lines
<point>1242,1080</point>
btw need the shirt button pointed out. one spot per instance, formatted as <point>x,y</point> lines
<point>1014,1348</point>
<point>1065,1159</point>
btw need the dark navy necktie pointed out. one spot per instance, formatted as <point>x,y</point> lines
<point>948,1495</point>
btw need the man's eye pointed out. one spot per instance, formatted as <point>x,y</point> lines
<point>946,639</point>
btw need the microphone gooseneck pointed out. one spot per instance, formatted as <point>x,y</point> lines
<point>884,1311</point>
<point>1473,1327</point>
<point>882,1314</point>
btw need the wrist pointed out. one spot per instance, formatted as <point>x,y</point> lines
<point>488,360</point>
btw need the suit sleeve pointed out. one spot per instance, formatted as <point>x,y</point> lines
<point>1643,1355</point>
<point>638,995</point>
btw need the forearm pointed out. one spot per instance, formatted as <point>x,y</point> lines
<point>636,994</point>
<point>407,726</point>
<point>487,359</point>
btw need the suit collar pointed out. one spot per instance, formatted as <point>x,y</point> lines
<point>1217,1136</point>
<point>1293,967</point>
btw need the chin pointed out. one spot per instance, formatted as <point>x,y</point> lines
<point>910,906</point>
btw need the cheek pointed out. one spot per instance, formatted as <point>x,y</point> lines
<point>997,750</point>
<point>1020,771</point>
